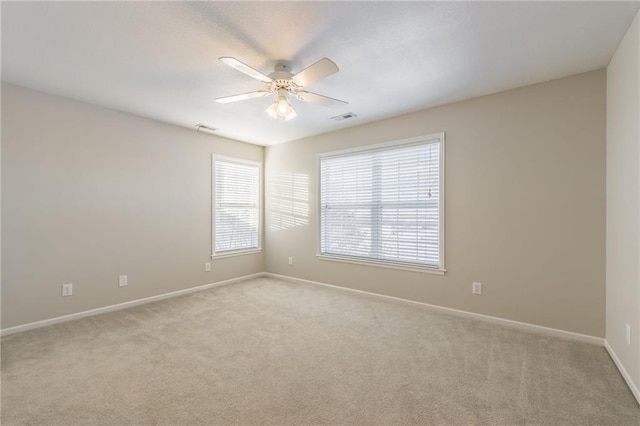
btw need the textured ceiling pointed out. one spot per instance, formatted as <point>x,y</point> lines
<point>159,59</point>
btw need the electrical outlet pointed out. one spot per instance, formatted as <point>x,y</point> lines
<point>628,334</point>
<point>290,260</point>
<point>123,281</point>
<point>207,267</point>
<point>67,290</point>
<point>476,288</point>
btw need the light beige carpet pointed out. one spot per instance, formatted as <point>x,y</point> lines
<point>271,352</point>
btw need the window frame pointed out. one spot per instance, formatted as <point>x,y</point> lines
<point>440,270</point>
<point>244,251</point>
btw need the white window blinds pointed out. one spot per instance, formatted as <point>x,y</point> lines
<point>236,198</point>
<point>384,204</point>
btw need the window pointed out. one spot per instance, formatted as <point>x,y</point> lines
<point>383,204</point>
<point>236,206</point>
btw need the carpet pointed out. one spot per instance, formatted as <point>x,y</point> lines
<point>266,351</point>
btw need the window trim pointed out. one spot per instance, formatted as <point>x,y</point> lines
<point>231,253</point>
<point>441,210</point>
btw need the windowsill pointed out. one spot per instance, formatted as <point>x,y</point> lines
<point>382,264</point>
<point>235,253</point>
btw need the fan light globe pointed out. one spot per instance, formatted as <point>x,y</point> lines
<point>283,107</point>
<point>272,110</point>
<point>292,114</point>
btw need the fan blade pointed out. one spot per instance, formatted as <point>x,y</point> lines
<point>244,68</point>
<point>242,97</point>
<point>314,98</point>
<point>321,69</point>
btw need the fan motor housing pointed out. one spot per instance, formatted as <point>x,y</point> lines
<point>281,77</point>
<point>281,72</point>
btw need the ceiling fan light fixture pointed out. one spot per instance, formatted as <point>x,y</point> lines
<point>281,107</point>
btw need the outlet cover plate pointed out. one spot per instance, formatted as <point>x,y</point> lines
<point>67,290</point>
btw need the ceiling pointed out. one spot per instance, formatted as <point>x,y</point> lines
<point>160,59</point>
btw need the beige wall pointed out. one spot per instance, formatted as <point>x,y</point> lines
<point>89,194</point>
<point>623,201</point>
<point>525,205</point>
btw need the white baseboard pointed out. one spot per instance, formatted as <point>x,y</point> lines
<point>632,386</point>
<point>486,318</point>
<point>119,306</point>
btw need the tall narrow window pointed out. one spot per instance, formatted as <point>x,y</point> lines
<point>236,206</point>
<point>383,204</point>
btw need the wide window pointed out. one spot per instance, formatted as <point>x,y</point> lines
<point>384,204</point>
<point>236,206</point>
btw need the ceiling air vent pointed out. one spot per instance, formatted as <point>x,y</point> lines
<point>346,116</point>
<point>204,128</point>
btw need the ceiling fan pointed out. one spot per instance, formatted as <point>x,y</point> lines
<point>282,83</point>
